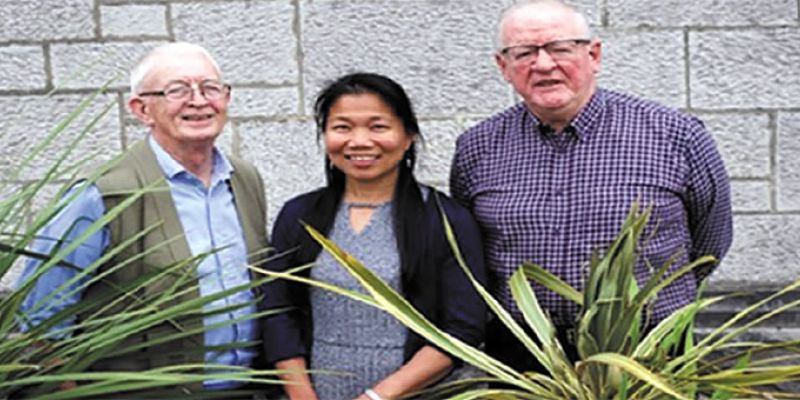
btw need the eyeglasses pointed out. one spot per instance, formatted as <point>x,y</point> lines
<point>559,50</point>
<point>181,91</point>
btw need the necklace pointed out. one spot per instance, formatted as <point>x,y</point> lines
<point>363,204</point>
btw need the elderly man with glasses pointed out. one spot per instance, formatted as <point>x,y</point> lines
<point>551,179</point>
<point>204,201</point>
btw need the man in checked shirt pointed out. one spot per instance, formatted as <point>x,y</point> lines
<point>552,178</point>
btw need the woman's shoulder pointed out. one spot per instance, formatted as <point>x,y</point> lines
<point>294,209</point>
<point>450,206</point>
<point>287,229</point>
<point>301,202</point>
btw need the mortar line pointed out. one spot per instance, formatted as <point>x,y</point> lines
<point>49,85</point>
<point>168,18</point>
<point>604,19</point>
<point>687,72</point>
<point>773,161</point>
<point>300,58</point>
<point>98,31</point>
<point>123,130</point>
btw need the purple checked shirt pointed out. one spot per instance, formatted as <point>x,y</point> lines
<point>554,198</point>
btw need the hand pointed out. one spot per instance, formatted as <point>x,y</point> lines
<point>297,384</point>
<point>66,385</point>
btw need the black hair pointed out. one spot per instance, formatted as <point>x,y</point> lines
<point>407,204</point>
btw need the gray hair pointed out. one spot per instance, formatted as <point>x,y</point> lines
<point>150,60</point>
<point>519,5</point>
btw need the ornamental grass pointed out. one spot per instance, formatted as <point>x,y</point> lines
<point>616,359</point>
<point>36,360</point>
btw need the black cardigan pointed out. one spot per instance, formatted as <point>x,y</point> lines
<point>441,290</point>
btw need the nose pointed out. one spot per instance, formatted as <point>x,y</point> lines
<point>543,60</point>
<point>197,96</point>
<point>360,137</point>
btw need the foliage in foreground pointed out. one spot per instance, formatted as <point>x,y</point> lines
<point>37,360</point>
<point>616,360</point>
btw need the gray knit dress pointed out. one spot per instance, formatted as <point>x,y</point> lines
<point>361,342</point>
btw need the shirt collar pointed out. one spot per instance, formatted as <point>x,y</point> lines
<point>582,124</point>
<point>221,169</point>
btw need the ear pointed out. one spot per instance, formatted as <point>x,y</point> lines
<point>411,143</point>
<point>595,54</point>
<point>141,110</point>
<point>500,60</point>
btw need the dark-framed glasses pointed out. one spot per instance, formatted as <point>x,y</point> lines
<point>181,91</point>
<point>559,50</point>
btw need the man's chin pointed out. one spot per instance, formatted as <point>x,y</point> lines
<point>551,99</point>
<point>204,135</point>
<point>550,107</point>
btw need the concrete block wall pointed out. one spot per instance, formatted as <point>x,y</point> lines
<point>734,63</point>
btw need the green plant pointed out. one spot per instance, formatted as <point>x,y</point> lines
<point>36,360</point>
<point>616,359</point>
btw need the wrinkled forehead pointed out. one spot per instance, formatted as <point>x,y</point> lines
<point>546,22</point>
<point>183,66</point>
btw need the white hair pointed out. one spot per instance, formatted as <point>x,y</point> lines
<point>520,5</point>
<point>150,60</point>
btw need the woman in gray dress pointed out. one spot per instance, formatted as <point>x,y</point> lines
<point>373,207</point>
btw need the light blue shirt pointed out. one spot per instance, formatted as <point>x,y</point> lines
<point>209,220</point>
